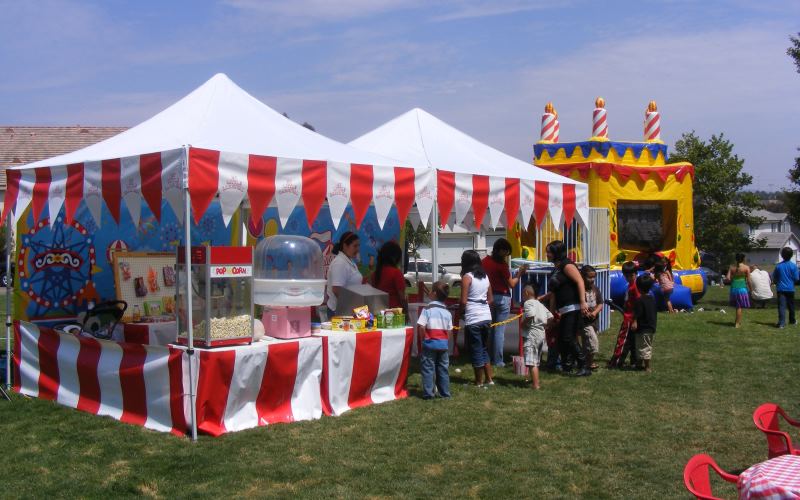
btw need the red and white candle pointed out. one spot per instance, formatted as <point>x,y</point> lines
<point>599,122</point>
<point>549,124</point>
<point>557,128</point>
<point>652,123</point>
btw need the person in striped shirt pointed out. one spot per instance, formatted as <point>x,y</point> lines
<point>435,324</point>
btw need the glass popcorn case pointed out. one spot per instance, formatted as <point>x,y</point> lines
<point>221,284</point>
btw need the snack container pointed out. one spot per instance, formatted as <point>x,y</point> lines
<point>221,284</point>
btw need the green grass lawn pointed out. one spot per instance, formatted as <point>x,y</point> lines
<point>613,435</point>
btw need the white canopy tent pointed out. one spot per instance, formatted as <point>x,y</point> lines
<point>474,176</point>
<point>219,141</point>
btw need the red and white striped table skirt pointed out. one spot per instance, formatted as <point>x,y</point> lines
<point>360,369</point>
<point>237,387</point>
<point>264,383</point>
<point>134,383</point>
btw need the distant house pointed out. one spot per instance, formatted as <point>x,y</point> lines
<point>22,145</point>
<point>778,231</point>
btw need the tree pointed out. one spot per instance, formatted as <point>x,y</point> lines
<point>793,194</point>
<point>414,240</point>
<point>794,50</point>
<point>720,203</point>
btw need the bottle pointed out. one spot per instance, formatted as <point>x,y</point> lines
<point>137,313</point>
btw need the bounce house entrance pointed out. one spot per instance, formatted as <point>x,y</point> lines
<point>648,227</point>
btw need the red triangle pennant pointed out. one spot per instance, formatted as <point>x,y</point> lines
<point>569,203</point>
<point>480,198</point>
<point>203,179</point>
<point>446,191</point>
<point>41,191</point>
<point>12,189</point>
<point>150,172</point>
<point>603,170</point>
<point>403,192</point>
<point>361,179</point>
<point>260,185</point>
<point>74,193</point>
<point>663,173</point>
<point>315,184</point>
<point>541,200</point>
<point>112,190</point>
<point>512,201</point>
<point>623,172</point>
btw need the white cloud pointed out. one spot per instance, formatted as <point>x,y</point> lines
<point>312,11</point>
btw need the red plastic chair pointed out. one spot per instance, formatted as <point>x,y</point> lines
<point>778,442</point>
<point>697,479</point>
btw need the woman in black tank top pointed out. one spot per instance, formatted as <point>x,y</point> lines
<point>568,299</point>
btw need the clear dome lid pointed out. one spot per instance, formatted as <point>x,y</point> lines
<point>287,257</point>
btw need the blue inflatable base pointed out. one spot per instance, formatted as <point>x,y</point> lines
<point>681,295</point>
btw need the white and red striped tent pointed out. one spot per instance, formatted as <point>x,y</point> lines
<point>217,141</point>
<point>472,177</point>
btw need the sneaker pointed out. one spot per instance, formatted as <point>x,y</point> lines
<point>780,326</point>
<point>794,322</point>
<point>584,372</point>
<point>491,382</point>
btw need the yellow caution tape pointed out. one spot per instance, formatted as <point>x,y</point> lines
<point>504,322</point>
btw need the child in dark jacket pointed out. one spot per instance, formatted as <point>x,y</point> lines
<point>644,323</point>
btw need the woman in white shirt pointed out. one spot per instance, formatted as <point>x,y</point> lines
<point>476,295</point>
<point>343,270</point>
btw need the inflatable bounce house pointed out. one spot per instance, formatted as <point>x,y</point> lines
<point>649,201</point>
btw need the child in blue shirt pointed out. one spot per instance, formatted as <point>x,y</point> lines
<point>785,276</point>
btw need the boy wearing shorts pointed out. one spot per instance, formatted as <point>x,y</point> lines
<point>644,324</point>
<point>535,317</point>
<point>434,325</point>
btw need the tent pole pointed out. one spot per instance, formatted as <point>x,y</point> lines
<point>434,243</point>
<point>8,301</point>
<point>187,247</point>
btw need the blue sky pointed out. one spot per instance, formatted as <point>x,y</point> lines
<point>486,67</point>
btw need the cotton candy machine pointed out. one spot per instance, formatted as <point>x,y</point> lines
<point>288,280</point>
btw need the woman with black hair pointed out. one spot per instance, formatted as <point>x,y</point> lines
<point>476,295</point>
<point>568,299</point>
<point>496,267</point>
<point>343,270</point>
<point>388,277</point>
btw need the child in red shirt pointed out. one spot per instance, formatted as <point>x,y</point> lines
<point>625,342</point>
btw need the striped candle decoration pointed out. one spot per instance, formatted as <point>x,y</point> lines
<point>556,127</point>
<point>549,124</point>
<point>652,123</point>
<point>599,122</point>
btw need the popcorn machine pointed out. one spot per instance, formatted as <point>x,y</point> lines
<point>221,284</point>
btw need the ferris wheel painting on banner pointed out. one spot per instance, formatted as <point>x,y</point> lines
<point>55,266</point>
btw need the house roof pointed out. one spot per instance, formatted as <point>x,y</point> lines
<point>768,216</point>
<point>775,240</point>
<point>22,145</point>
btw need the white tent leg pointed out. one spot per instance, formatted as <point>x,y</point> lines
<point>187,223</point>
<point>434,244</point>
<point>8,301</point>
